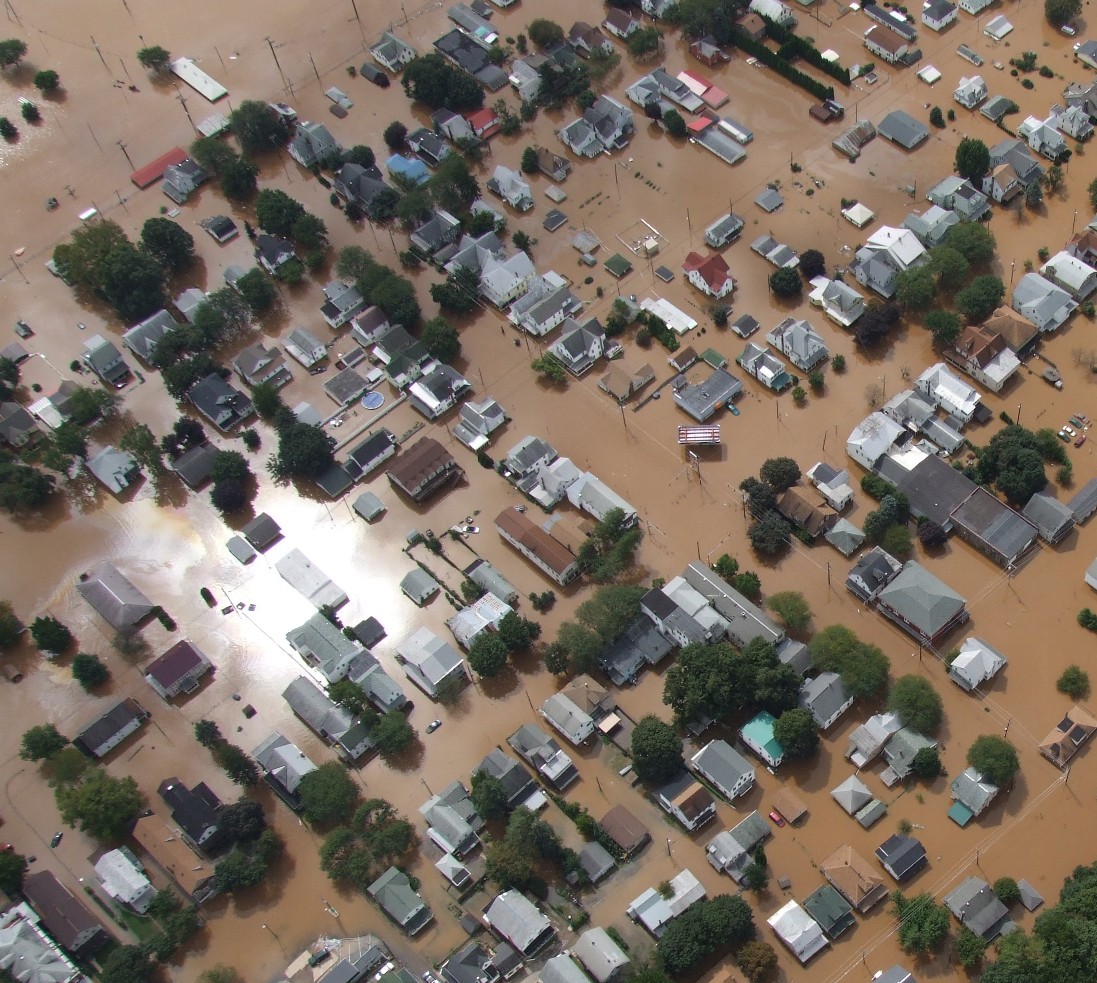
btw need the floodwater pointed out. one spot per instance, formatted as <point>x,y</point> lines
<point>171,542</point>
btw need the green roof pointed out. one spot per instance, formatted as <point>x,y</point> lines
<point>715,359</point>
<point>760,730</point>
<point>618,265</point>
<point>833,912</point>
<point>960,814</point>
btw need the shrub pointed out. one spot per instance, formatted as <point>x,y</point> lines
<point>1074,682</point>
<point>838,363</point>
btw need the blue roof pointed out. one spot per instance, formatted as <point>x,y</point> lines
<point>410,169</point>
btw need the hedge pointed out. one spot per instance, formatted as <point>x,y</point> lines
<point>772,59</point>
<point>794,46</point>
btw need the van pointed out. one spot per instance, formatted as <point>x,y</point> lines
<point>1069,30</point>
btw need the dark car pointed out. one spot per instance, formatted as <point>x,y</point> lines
<point>371,73</point>
<point>56,841</point>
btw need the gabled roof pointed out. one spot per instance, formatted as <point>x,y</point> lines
<point>601,956</point>
<point>977,908</point>
<point>977,662</point>
<point>972,790</point>
<point>921,599</point>
<point>518,920</point>
<point>114,597</point>
<point>1068,736</point>
<point>855,878</point>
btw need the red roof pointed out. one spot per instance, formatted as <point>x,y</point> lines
<point>151,173</point>
<point>483,121</point>
<point>713,269</point>
<point>699,79</point>
<point>699,125</point>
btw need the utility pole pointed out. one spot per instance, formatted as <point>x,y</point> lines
<point>274,55</point>
<point>122,147</point>
<point>314,70</point>
<point>95,44</point>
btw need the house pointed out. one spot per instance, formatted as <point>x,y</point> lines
<point>977,663</point>
<point>961,196</point>
<point>313,144</point>
<point>1042,136</point>
<point>655,9</point>
<point>1042,302</point>
<point>886,44</point>
<point>978,909</point>
<point>798,341</point>
<point>403,357</point>
<point>602,958</point>
<point>775,10</point>
<point>757,734</point>
<point>409,171</point>
<point>1077,278</point>
<point>800,933</point>
<point>709,274</point>
<point>505,280</point>
<point>974,7</point>
<point>329,721</point>
<point>833,913</point>
<point>803,515</point>
<point>938,14</point>
<point>419,586</point>
<point>587,40</point>
<point>970,92</point>
<point>729,772</point>
<point>539,547</point>
<point>839,301</point>
<point>304,346</point>
<point>984,356</point>
<point>708,51</point>
<point>516,781</point>
<point>855,798</point>
<point>921,604</point>
<point>775,253</point>
<point>347,386</point>
<point>1052,518</point>
<point>261,532</point>
<point>903,129</point>
<point>114,598</point>
<point>597,862</point>
<point>1001,183</point>
<point>342,302</point>
<point>525,76</point>
<point>764,366</point>
<point>826,698</point>
<point>478,421</point>
<point>902,856</point>
<point>486,613</point>
<point>732,851</point>
<point>437,391</point>
<point>66,918</point>
<point>141,339</point>
<point>1018,156</point>
<point>28,954</point>
<point>687,800</point>
<point>993,528</point>
<point>1083,246</point>
<point>485,576</point>
<point>223,405</point>
<point>727,228</point>
<point>567,718</point>
<point>832,484</point>
<point>518,921</point>
<point>178,670</point>
<point>655,909</point>
<point>932,225</point>
<point>437,232</point>
<point>431,663</point>
<point>194,811</point>
<point>900,752</point>
<point>625,830</point>
<point>947,392</point>
<point>106,361</point>
<point>1073,122</point>
<point>844,536</point>
<point>872,572</point>
<point>107,731</point>
<point>872,438</point>
<point>580,345</point>
<point>284,765</point>
<point>16,425</point>
<point>452,820</point>
<point>258,364</point>
<point>887,253</point>
<point>854,878</point>
<point>1067,737</point>
<point>869,739</point>
<point>972,795</point>
<point>323,647</point>
<point>123,879</point>
<point>392,52</point>
<point>606,126</point>
<point>359,186</point>
<point>621,24</point>
<point>273,252</point>
<point>484,122</point>
<point>399,900</point>
<point>562,969</point>
<point>183,179</point>
<point>544,755</point>
<point>997,27</point>
<point>424,469</point>
<point>702,399</point>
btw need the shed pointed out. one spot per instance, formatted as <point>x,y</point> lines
<point>369,506</point>
<point>769,200</point>
<point>789,805</point>
<point>261,532</point>
<point>240,550</point>
<point>420,586</point>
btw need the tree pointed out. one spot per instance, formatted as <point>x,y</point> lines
<point>877,322</point>
<point>126,964</point>
<point>453,184</point>
<point>946,327</point>
<point>926,763</point>
<point>756,877</point>
<point>1092,190</point>
<point>726,567</point>
<point>9,377</point>
<point>972,159</point>
<point>529,160</point>
<point>792,608</point>
<point>242,820</point>
<point>489,795</point>
<point>1074,682</point>
<point>994,758</point>
<point>396,297</point>
<point>518,633</point>
<point>931,535</point>
<point>609,550</point>
<point>255,127</point>
<point>277,212</point>
<point>923,924</point>
<point>47,80</point>
<point>168,243</point>
<point>12,51</point>
<point>238,179</point>
<point>392,733</point>
<point>1006,890</point>
<point>915,288</point>
<point>88,671</point>
<point>1060,12</point>
<point>969,948</point>
<point>42,742</point>
<point>310,232</point>
<point>395,135</point>
<point>812,264</point>
<point>103,806</point>
<point>1034,196</point>
<point>550,368</point>
<point>139,441</point>
<point>441,340</point>
<point>797,733</point>
<point>770,534</point>
<point>361,155</point>
<point>230,495</point>
<point>208,734</point>
<point>674,124</point>
<point>50,635</point>
<point>13,867</point>
<point>154,57</point>
<point>705,681</point>
<point>376,836</point>
<point>937,118</point>
<point>429,79</point>
<point>488,654</point>
<point>757,960</point>
<point>949,266</point>
<point>10,625</point>
<point>328,794</point>
<point>656,750</point>
<point>973,241</point>
<point>980,298</point>
<point>760,496</point>
<point>229,465</point>
<point>786,283</point>
<point>780,473</point>
<point>240,769</point>
<point>303,450</point>
<point>545,33</point>
<point>863,667</point>
<point>213,154</point>
<point>1053,178</point>
<point>257,289</point>
<point>644,42</point>
<point>917,703</point>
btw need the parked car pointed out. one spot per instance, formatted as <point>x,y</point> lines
<point>56,841</point>
<point>777,818</point>
<point>431,728</point>
<point>23,329</point>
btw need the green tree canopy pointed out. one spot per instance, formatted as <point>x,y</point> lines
<point>50,635</point>
<point>13,867</point>
<point>945,326</point>
<point>702,929</point>
<point>303,450</point>
<point>101,805</point>
<point>47,80</point>
<point>277,212</point>
<point>980,298</point>
<point>10,625</point>
<point>126,964</point>
<point>1060,12</point>
<point>972,240</point>
<point>12,51</point>
<point>917,703</point>
<point>239,179</point>
<point>376,836</point>
<point>488,794</point>
<point>792,608</point>
<point>89,671</point>
<point>392,733</point>
<point>915,288</point>
<point>545,33</point>
<point>153,56</point>
<point>328,794</point>
<point>863,667</point>
<point>797,733</point>
<point>42,742</point>
<point>488,654</point>
<point>1014,462</point>
<point>168,243</point>
<point>431,80</point>
<point>786,283</point>
<point>770,534</point>
<point>994,758</point>
<point>236,764</point>
<point>972,159</point>
<point>656,750</point>
<point>255,127</point>
<point>257,289</point>
<point>779,473</point>
<point>923,924</point>
<point>441,339</point>
<point>949,265</point>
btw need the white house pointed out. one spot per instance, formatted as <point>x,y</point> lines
<point>1042,136</point>
<point>775,11</point>
<point>511,187</point>
<point>938,14</point>
<point>1067,271</point>
<point>725,768</point>
<point>709,274</point>
<point>313,143</point>
<point>799,932</point>
<point>948,391</point>
<point>887,253</point>
<point>977,663</point>
<point>304,346</point>
<point>392,52</point>
<point>503,281</point>
<point>799,342</point>
<point>974,7</point>
<point>872,438</point>
<point>825,698</point>
<point>569,719</point>
<point>971,91</point>
<point>430,662</point>
<point>838,300</point>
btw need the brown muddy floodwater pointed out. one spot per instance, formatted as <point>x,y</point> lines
<point>171,543</point>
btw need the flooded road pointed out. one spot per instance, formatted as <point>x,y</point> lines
<point>171,542</point>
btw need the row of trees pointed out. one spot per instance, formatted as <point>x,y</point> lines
<point>280,215</point>
<point>240,769</point>
<point>517,859</point>
<point>490,650</point>
<point>373,839</point>
<point>769,533</point>
<point>1013,461</point>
